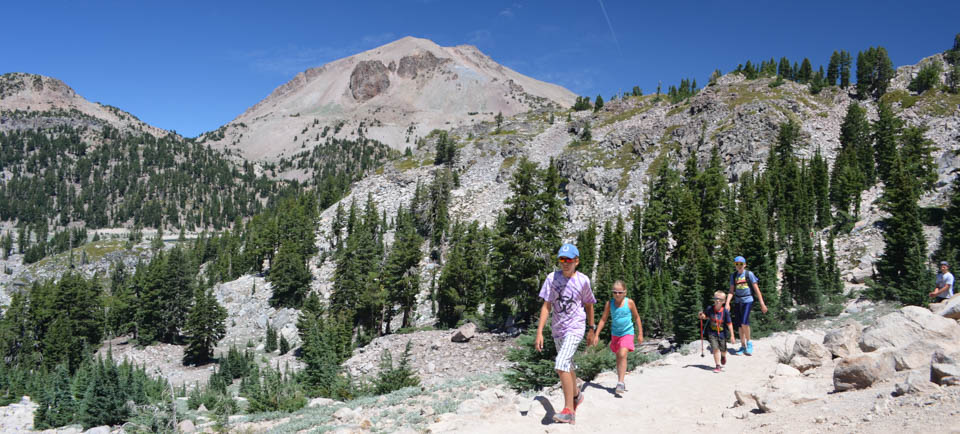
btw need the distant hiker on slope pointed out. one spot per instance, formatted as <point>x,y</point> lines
<point>718,325</point>
<point>622,312</point>
<point>944,289</point>
<point>741,282</point>
<point>568,294</point>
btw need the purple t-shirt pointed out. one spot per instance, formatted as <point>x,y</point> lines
<point>567,297</point>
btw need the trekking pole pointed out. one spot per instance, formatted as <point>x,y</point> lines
<point>701,338</point>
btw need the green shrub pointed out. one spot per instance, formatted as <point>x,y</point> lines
<point>393,378</point>
<point>532,370</point>
<point>927,78</point>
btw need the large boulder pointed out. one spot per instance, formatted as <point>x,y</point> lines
<point>780,393</point>
<point>949,308</point>
<point>465,333</point>
<point>906,326</point>
<point>944,369</point>
<point>844,341</point>
<point>807,354</point>
<point>914,383</point>
<point>917,355</point>
<point>862,371</point>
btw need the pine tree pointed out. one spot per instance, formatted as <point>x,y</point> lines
<point>103,402</point>
<point>610,260</point>
<point>806,71</point>
<point>845,63</point>
<point>270,344</point>
<point>820,175</point>
<point>205,326</point>
<point>886,136</point>
<point>833,69</point>
<point>855,134</point>
<point>949,248</point>
<point>528,239</point>
<point>57,406</point>
<point>901,271</point>
<point>713,192</point>
<point>598,103</point>
<point>656,218</point>
<point>290,277</point>
<point>801,275</point>
<point>499,120</point>
<point>284,345</point>
<point>401,272</point>
<point>917,153</point>
<point>587,244</point>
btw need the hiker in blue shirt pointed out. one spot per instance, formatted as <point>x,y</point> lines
<point>741,283</point>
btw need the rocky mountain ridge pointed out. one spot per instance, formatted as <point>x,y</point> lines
<point>29,101</point>
<point>394,93</point>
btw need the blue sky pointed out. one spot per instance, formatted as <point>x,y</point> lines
<point>193,66</point>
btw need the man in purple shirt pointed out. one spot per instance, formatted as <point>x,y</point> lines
<point>568,294</point>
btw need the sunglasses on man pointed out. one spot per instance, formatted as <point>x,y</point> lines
<point>567,260</point>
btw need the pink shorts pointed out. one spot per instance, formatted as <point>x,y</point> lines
<point>618,342</point>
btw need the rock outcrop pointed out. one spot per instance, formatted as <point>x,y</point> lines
<point>369,79</point>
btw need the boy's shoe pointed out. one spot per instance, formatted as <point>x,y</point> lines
<point>717,369</point>
<point>749,348</point>
<point>565,416</point>
<point>577,400</point>
<point>723,359</point>
<point>621,388</point>
<point>741,350</point>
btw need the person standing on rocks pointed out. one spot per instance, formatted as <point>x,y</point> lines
<point>620,310</point>
<point>568,294</point>
<point>741,283</point>
<point>719,325</point>
<point>944,289</point>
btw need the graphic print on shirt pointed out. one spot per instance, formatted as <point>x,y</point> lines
<point>565,301</point>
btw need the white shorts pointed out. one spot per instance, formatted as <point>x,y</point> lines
<point>566,347</point>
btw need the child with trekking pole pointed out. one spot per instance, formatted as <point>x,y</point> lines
<point>741,283</point>
<point>718,327</point>
<point>622,312</point>
<point>568,295</point>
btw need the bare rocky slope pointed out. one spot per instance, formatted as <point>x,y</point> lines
<point>395,93</point>
<point>30,101</point>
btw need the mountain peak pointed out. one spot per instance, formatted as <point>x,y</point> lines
<point>396,92</point>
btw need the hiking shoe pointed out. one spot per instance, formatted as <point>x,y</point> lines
<point>723,359</point>
<point>621,388</point>
<point>577,400</point>
<point>749,348</point>
<point>717,369</point>
<point>741,350</point>
<point>565,416</point>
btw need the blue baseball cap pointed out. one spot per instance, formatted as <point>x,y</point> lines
<point>740,259</point>
<point>568,251</point>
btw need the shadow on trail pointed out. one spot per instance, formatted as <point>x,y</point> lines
<point>610,390</point>
<point>548,408</point>
<point>704,367</point>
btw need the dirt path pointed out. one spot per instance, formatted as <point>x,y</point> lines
<point>681,393</point>
<point>678,393</point>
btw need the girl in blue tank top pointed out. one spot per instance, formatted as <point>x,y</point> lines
<point>622,312</point>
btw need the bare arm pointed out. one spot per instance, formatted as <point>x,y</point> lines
<point>636,318</point>
<point>589,308</point>
<point>603,319</point>
<point>756,290</point>
<point>544,313</point>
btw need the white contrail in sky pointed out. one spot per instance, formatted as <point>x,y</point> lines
<point>615,41</point>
